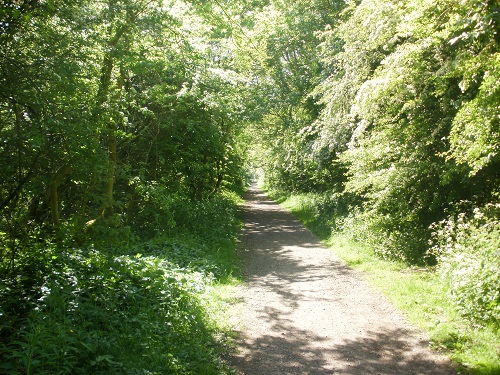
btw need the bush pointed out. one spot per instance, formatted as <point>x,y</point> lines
<point>328,210</point>
<point>212,220</point>
<point>162,212</point>
<point>126,314</point>
<point>123,306</point>
<point>390,236</point>
<point>152,211</point>
<point>467,250</point>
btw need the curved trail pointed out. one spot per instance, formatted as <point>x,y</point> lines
<point>304,312</point>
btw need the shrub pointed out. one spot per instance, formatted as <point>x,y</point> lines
<point>391,236</point>
<point>123,305</point>
<point>467,250</point>
<point>213,220</point>
<point>98,313</point>
<point>152,211</point>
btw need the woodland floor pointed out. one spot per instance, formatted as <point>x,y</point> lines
<point>304,312</point>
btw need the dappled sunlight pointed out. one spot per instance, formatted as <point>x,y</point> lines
<point>296,351</point>
<point>305,312</point>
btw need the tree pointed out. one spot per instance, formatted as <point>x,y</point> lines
<point>395,119</point>
<point>283,74</point>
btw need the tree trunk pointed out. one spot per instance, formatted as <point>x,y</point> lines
<point>53,198</point>
<point>53,195</point>
<point>111,127</point>
<point>111,171</point>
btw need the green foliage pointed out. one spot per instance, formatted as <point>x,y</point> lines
<point>474,137</point>
<point>326,212</point>
<point>466,246</point>
<point>288,68</point>
<point>473,31</point>
<point>409,83</point>
<point>125,123</point>
<point>99,96</point>
<point>97,313</point>
<point>118,139</point>
<point>136,308</point>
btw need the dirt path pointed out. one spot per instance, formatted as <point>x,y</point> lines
<point>304,312</point>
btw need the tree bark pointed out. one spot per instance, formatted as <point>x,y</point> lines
<point>53,195</point>
<point>111,127</point>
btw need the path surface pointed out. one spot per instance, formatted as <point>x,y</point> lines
<point>304,312</point>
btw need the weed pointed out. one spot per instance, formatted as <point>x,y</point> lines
<point>154,306</point>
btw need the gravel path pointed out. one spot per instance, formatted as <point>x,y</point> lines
<point>304,312</point>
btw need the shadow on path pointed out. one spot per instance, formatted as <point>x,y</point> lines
<point>298,353</point>
<point>304,312</point>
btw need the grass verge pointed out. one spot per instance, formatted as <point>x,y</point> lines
<point>418,292</point>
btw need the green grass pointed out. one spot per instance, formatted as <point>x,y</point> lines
<point>418,292</point>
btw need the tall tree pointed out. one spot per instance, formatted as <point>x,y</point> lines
<point>396,120</point>
<point>284,72</point>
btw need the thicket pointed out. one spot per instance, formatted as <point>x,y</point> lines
<point>139,308</point>
<point>121,151</point>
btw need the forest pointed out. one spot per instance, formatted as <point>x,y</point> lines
<point>130,128</point>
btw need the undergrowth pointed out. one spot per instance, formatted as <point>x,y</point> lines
<point>418,291</point>
<point>156,306</point>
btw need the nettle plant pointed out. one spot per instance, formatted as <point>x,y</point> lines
<point>466,247</point>
<point>94,306</point>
